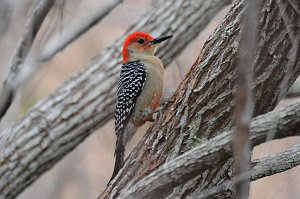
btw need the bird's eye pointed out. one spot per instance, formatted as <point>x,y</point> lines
<point>140,41</point>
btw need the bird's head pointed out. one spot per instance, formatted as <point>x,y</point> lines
<point>140,44</point>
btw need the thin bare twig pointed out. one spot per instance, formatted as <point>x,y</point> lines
<point>12,80</point>
<point>244,95</point>
<point>67,36</point>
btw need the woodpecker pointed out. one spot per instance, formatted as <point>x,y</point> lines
<point>139,89</point>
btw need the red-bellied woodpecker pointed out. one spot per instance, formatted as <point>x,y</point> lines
<point>139,89</point>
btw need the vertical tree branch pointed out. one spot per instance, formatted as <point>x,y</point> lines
<point>244,95</point>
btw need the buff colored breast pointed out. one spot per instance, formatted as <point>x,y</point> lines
<point>151,94</point>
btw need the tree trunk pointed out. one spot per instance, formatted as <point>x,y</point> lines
<point>86,102</point>
<point>202,106</point>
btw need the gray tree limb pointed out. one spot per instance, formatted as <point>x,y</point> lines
<point>282,123</point>
<point>277,163</point>
<point>58,123</point>
<point>260,168</point>
<point>14,76</point>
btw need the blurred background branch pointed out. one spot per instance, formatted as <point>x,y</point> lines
<point>5,15</point>
<point>244,96</point>
<point>15,75</point>
<point>70,33</point>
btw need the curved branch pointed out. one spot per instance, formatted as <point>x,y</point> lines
<point>260,168</point>
<point>282,123</point>
<point>12,81</point>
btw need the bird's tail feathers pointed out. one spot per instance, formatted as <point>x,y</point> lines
<point>119,158</point>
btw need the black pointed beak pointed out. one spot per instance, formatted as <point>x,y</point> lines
<point>160,39</point>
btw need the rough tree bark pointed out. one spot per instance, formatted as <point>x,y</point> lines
<point>60,122</point>
<point>202,106</point>
<point>283,123</point>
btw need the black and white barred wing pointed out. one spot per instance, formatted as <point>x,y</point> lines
<point>131,82</point>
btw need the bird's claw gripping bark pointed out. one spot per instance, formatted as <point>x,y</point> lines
<point>159,113</point>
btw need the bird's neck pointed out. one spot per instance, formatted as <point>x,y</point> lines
<point>152,61</point>
<point>132,56</point>
<point>147,59</point>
